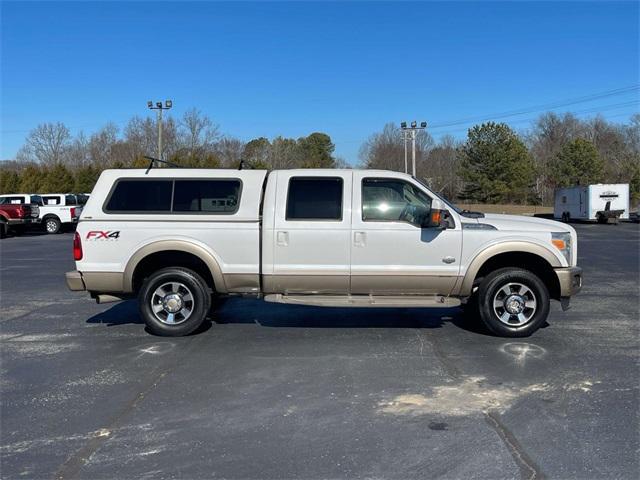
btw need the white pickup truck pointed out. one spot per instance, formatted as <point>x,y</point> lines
<point>56,209</point>
<point>180,238</point>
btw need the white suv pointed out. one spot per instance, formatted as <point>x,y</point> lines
<point>180,238</point>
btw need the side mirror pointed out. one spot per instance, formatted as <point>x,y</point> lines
<point>436,219</point>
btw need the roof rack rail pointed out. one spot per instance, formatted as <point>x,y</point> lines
<point>153,160</point>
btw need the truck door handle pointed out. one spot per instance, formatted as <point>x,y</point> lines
<point>282,239</point>
<point>359,239</point>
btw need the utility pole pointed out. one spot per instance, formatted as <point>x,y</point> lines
<point>159,107</point>
<point>413,153</point>
<point>406,165</point>
<point>413,129</point>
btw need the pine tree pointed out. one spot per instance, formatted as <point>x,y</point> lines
<point>317,151</point>
<point>31,179</point>
<point>85,178</point>
<point>9,181</point>
<point>578,163</point>
<point>495,165</point>
<point>58,179</point>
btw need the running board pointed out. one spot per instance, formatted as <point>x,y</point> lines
<point>399,301</point>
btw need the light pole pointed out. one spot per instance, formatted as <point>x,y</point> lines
<point>413,129</point>
<point>159,107</point>
<point>403,125</point>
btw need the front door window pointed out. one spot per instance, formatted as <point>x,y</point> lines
<point>393,200</point>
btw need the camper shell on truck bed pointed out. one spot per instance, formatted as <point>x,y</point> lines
<point>180,239</point>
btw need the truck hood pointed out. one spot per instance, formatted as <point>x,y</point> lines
<point>522,223</point>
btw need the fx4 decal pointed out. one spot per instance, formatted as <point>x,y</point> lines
<point>98,234</point>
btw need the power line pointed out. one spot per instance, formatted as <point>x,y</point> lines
<point>548,106</point>
<point>531,119</point>
<point>577,112</point>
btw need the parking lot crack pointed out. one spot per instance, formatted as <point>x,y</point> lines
<point>528,468</point>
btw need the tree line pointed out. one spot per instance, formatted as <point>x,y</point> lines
<point>494,164</point>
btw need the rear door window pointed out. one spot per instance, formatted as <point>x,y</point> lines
<point>132,195</point>
<point>314,198</point>
<point>51,200</point>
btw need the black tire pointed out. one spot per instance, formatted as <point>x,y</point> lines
<point>52,225</point>
<point>3,229</point>
<point>492,289</point>
<point>191,283</point>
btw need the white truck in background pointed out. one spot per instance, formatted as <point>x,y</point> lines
<point>178,239</point>
<point>56,209</point>
<point>602,202</point>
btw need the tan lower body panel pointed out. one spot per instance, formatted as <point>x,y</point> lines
<point>402,284</point>
<point>103,281</point>
<point>359,284</point>
<point>242,282</point>
<point>327,284</point>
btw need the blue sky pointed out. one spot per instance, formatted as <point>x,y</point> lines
<point>267,69</point>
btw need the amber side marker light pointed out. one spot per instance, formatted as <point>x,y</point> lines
<point>435,217</point>
<point>559,244</point>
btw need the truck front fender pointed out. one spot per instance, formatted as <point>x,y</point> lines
<point>466,286</point>
<point>174,245</point>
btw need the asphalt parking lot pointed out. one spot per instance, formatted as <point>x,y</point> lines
<point>282,391</point>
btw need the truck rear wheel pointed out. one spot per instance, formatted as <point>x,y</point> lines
<point>174,301</point>
<point>513,302</point>
<point>52,225</point>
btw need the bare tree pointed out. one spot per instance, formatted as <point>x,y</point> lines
<point>229,150</point>
<point>102,145</point>
<point>46,144</point>
<point>385,150</point>
<point>77,153</point>
<point>142,137</point>
<point>442,167</point>
<point>549,134</point>
<point>197,133</point>
<point>285,153</point>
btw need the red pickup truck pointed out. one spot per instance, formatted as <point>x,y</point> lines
<point>16,216</point>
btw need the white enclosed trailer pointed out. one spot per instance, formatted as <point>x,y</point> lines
<point>592,202</point>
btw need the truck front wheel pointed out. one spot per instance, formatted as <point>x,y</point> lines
<point>174,301</point>
<point>513,302</point>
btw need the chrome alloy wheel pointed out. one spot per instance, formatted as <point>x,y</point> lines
<point>514,304</point>
<point>52,226</point>
<point>172,303</point>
